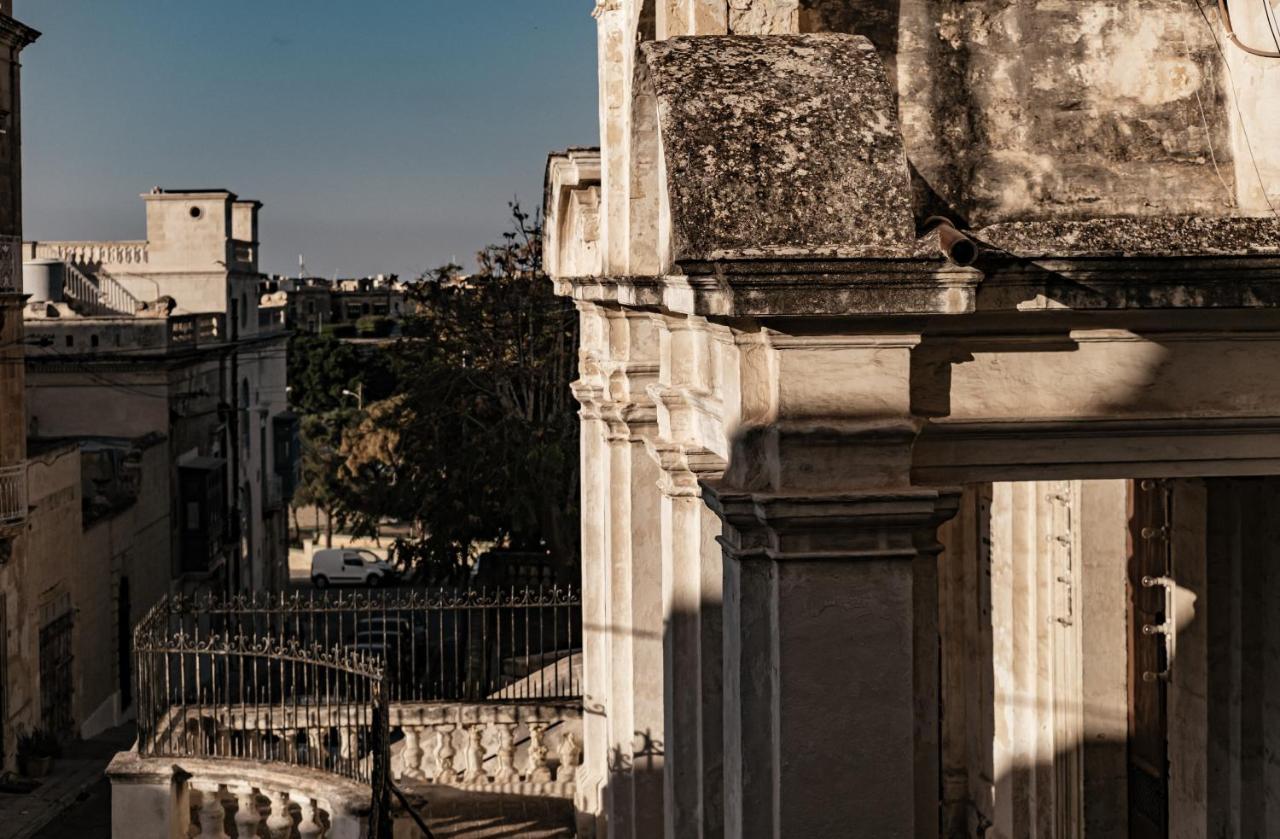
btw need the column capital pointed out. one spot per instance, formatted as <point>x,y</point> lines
<point>684,468</point>
<point>629,421</point>
<point>880,525</point>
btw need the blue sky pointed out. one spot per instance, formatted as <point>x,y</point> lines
<point>382,135</point>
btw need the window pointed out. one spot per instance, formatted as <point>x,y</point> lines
<point>352,561</point>
<point>195,212</point>
<point>204,504</point>
<point>71,341</point>
<point>93,340</point>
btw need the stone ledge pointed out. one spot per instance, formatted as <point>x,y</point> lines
<point>1157,236</point>
<point>336,793</point>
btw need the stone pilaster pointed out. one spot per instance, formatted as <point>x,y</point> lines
<point>622,575</point>
<point>596,613</point>
<point>692,574</point>
<point>831,645</point>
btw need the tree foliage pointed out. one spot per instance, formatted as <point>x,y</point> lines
<point>480,444</point>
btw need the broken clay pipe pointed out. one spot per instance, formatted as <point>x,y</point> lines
<point>957,247</point>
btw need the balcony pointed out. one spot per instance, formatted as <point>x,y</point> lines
<point>10,264</point>
<point>13,497</point>
<point>91,254</point>
<point>190,331</point>
<point>283,707</point>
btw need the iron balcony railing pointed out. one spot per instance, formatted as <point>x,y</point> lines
<point>13,495</point>
<point>214,696</point>
<point>436,645</point>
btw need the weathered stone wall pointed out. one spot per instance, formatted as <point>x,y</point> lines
<point>1014,109</point>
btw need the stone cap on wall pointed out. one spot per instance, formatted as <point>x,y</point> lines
<point>783,146</point>
<point>1148,236</point>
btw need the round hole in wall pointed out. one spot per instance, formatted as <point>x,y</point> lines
<point>196,212</point>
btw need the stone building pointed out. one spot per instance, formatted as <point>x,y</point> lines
<point>340,306</point>
<point>188,292</point>
<point>96,557</point>
<point>14,37</point>
<point>929,418</point>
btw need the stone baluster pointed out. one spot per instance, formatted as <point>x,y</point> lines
<point>475,773</point>
<point>247,814</point>
<point>310,827</point>
<point>570,752</point>
<point>315,743</point>
<point>538,771</point>
<point>212,813</point>
<point>506,773</point>
<point>347,737</point>
<point>280,822</point>
<point>445,773</point>
<point>413,753</point>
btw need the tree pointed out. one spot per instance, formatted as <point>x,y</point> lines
<point>321,368</point>
<point>480,445</point>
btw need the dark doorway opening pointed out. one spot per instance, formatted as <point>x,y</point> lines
<point>55,674</point>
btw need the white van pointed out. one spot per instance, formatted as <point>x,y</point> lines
<point>349,566</point>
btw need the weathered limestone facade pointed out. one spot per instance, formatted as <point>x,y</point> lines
<point>200,259</point>
<point>14,37</point>
<point>865,529</point>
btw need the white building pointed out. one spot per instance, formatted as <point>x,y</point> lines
<point>194,284</point>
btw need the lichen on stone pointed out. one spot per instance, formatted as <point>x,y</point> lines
<point>779,143</point>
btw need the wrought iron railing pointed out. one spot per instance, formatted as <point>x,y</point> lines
<point>13,494</point>
<point>435,644</point>
<point>240,697</point>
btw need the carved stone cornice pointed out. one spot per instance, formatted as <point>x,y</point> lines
<point>834,527</point>
<point>16,35</point>
<point>642,292</point>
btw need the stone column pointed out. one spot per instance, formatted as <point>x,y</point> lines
<point>831,646</point>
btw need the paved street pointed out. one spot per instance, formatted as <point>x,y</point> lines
<point>74,800</point>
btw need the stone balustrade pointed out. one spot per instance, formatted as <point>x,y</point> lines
<point>161,799</point>
<point>519,748</point>
<point>93,254</point>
